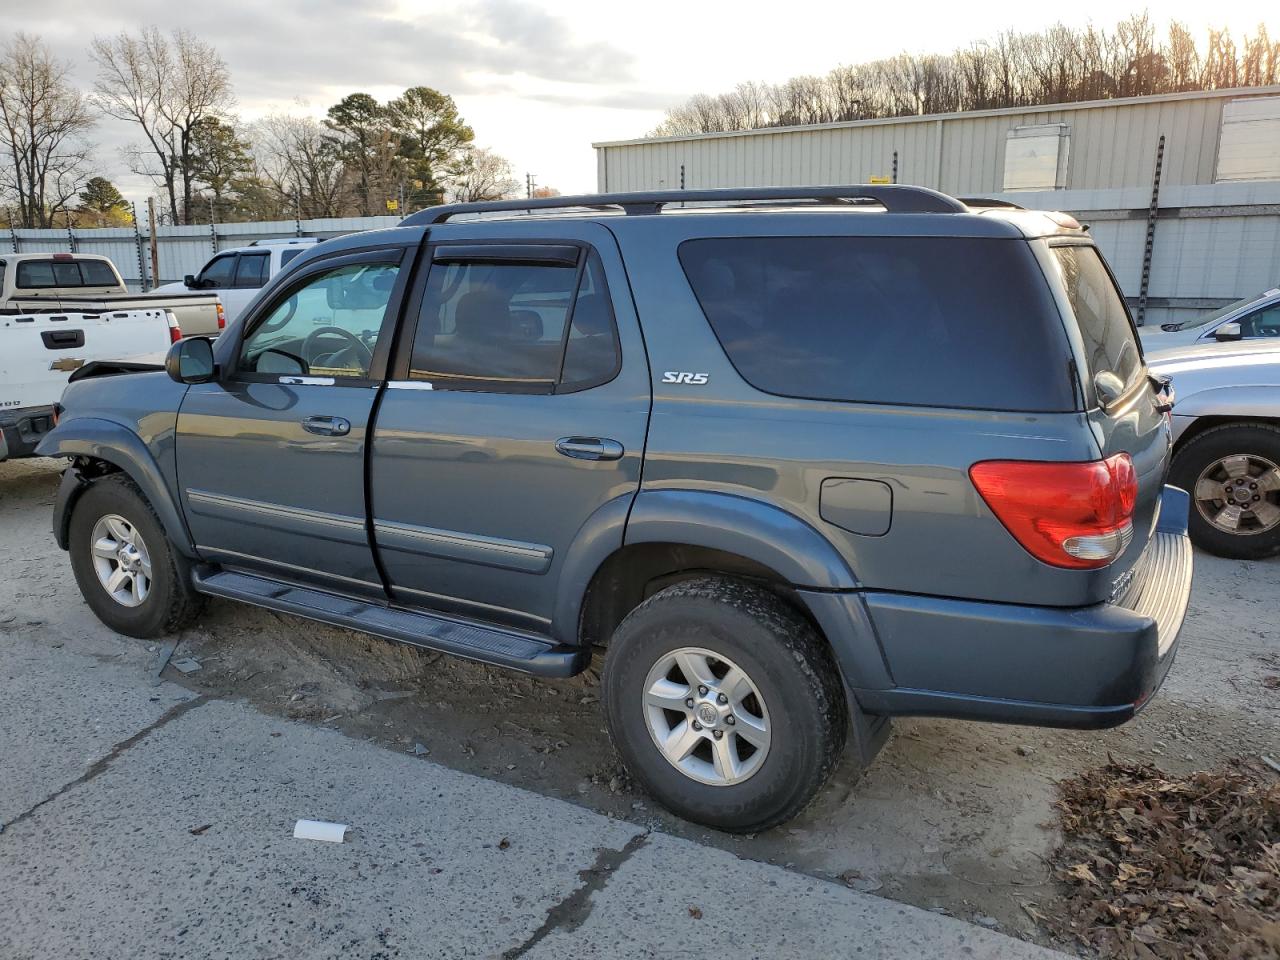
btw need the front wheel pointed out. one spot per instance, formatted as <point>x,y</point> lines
<point>124,565</point>
<point>1233,475</point>
<point>724,703</point>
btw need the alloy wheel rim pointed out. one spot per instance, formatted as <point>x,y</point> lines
<point>1240,494</point>
<point>121,560</point>
<point>706,716</point>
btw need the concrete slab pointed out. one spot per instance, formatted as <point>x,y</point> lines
<point>438,863</point>
<point>62,711</point>
<point>673,894</point>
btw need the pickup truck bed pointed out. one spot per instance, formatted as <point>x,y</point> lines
<point>39,352</point>
<point>198,314</point>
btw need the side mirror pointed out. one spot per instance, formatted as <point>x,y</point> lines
<point>190,281</point>
<point>1109,387</point>
<point>1228,332</point>
<point>191,361</point>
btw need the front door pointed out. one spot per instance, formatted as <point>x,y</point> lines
<point>520,412</point>
<point>271,455</point>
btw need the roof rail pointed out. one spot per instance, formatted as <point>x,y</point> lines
<point>990,202</point>
<point>896,198</point>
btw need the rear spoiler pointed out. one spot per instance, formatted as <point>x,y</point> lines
<point>111,368</point>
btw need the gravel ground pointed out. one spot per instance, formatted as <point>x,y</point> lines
<point>952,816</point>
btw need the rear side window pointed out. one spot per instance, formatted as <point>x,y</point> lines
<point>515,327</point>
<point>931,321</point>
<point>287,255</point>
<point>252,270</point>
<point>1109,341</point>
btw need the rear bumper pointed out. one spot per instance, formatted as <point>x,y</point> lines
<point>22,430</point>
<point>1085,667</point>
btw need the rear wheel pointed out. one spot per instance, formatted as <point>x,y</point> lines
<point>124,565</point>
<point>1233,475</point>
<point>724,703</point>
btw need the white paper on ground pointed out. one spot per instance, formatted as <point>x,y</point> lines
<point>319,830</point>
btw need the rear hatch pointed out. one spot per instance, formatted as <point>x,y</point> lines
<point>1125,408</point>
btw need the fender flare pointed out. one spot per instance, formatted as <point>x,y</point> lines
<point>749,528</point>
<point>122,448</point>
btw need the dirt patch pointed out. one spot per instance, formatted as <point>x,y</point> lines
<point>1168,867</point>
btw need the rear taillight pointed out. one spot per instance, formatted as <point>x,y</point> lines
<point>175,332</point>
<point>222,316</point>
<point>1073,515</point>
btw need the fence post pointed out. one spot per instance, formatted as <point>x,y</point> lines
<point>1153,212</point>
<point>137,242</point>
<point>71,237</point>
<point>155,242</point>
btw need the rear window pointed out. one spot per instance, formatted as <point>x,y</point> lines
<point>35,274</point>
<point>1109,341</point>
<point>927,321</point>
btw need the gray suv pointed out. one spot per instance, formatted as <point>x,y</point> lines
<point>797,460</point>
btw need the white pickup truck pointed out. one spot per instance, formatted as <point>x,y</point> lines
<point>236,275</point>
<point>40,351</point>
<point>84,283</point>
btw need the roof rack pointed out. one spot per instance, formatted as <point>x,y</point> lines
<point>895,198</point>
<point>990,202</point>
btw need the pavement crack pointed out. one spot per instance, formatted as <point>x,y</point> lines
<point>100,765</point>
<point>572,912</point>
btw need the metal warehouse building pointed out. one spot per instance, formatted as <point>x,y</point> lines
<point>1182,191</point>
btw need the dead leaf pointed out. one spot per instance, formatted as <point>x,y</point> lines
<point>695,912</point>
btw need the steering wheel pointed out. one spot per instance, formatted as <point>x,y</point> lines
<point>312,354</point>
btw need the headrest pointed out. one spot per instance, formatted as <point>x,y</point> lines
<point>483,314</point>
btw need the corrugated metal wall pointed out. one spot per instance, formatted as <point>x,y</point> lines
<point>1214,242</point>
<point>182,250</point>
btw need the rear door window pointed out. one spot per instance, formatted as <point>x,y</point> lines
<point>933,321</point>
<point>252,270</point>
<point>1110,344</point>
<point>515,327</point>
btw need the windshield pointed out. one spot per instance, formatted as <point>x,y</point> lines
<point>1218,314</point>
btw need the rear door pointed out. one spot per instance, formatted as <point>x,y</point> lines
<point>271,456</point>
<point>517,411</point>
<point>1110,359</point>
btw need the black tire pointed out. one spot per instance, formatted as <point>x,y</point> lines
<point>171,603</point>
<point>1204,449</point>
<point>784,658</point>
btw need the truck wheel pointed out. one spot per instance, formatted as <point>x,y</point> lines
<point>126,569</point>
<point>724,703</point>
<point>1233,475</point>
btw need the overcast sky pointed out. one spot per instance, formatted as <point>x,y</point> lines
<point>540,81</point>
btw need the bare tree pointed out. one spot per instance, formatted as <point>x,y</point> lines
<point>168,85</point>
<point>43,119</point>
<point>1057,65</point>
<point>485,176</point>
<point>301,163</point>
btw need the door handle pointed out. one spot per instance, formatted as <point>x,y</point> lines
<point>590,448</point>
<point>327,426</point>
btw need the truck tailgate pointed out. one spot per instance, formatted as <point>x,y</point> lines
<point>39,351</point>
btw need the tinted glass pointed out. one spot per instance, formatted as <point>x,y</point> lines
<point>96,273</point>
<point>930,321</point>
<point>252,270</point>
<point>287,255</point>
<point>35,273</point>
<point>1263,323</point>
<point>3,265</point>
<point>217,272</point>
<point>481,323</point>
<point>326,327</point>
<point>591,353</point>
<point>1109,341</point>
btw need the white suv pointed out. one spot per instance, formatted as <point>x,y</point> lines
<point>238,274</point>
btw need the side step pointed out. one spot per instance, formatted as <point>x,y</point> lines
<point>433,632</point>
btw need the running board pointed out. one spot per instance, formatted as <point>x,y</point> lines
<point>430,631</point>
